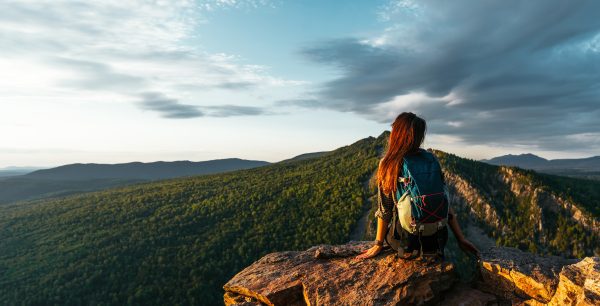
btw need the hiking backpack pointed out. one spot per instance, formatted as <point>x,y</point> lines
<point>421,203</point>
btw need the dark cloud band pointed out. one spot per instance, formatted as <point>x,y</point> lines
<point>169,108</point>
<point>516,72</point>
<point>174,109</point>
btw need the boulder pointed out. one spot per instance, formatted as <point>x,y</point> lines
<point>516,275</point>
<point>579,284</point>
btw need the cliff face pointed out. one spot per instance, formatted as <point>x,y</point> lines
<point>544,200</point>
<point>470,198</point>
<point>329,275</point>
<point>516,208</point>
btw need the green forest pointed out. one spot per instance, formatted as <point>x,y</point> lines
<point>176,242</point>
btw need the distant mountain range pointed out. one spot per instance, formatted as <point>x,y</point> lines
<point>14,171</point>
<point>579,167</point>
<point>77,178</point>
<point>143,171</point>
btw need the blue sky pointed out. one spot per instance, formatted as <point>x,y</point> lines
<point>118,81</point>
<point>275,34</point>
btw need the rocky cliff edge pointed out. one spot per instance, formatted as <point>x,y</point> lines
<point>329,275</point>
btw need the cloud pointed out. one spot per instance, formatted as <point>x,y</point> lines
<point>92,75</point>
<point>234,110</point>
<point>169,108</point>
<point>73,50</point>
<point>518,72</point>
<point>308,103</point>
<point>235,85</point>
<point>173,109</point>
<point>237,4</point>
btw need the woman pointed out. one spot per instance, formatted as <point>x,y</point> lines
<point>408,133</point>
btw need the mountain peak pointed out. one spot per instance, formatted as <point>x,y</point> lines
<point>385,134</point>
<point>525,160</point>
<point>518,157</point>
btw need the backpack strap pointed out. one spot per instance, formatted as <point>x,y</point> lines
<point>411,186</point>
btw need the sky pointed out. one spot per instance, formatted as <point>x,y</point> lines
<point>120,81</point>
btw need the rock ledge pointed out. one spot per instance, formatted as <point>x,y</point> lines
<point>329,275</point>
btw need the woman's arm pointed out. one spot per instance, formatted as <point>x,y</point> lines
<point>382,226</point>
<point>463,243</point>
<point>375,249</point>
<point>385,206</point>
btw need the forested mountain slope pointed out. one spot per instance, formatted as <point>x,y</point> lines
<point>178,241</point>
<point>540,213</point>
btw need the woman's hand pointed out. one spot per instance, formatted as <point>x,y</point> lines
<point>371,252</point>
<point>468,247</point>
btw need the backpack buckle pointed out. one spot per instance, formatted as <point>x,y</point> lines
<point>404,180</point>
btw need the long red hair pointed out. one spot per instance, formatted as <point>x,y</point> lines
<point>408,133</point>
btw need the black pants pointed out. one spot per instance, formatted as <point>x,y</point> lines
<point>431,244</point>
